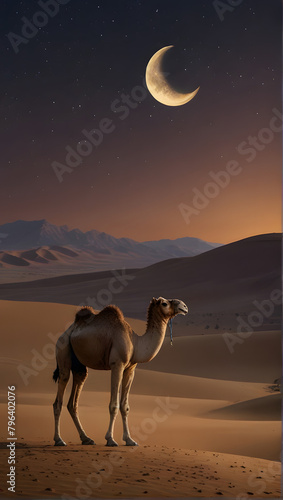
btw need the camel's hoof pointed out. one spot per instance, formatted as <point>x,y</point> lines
<point>111,442</point>
<point>131,442</point>
<point>60,443</point>
<point>88,441</point>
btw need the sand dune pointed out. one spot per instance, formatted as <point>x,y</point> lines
<point>257,359</point>
<point>8,259</point>
<point>73,251</point>
<point>219,286</point>
<point>221,431</point>
<point>46,254</point>
<point>145,471</point>
<point>146,382</point>
<point>33,256</point>
<point>64,251</point>
<point>265,408</point>
<point>185,424</point>
<point>40,255</point>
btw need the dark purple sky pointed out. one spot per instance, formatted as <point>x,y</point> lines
<point>151,176</point>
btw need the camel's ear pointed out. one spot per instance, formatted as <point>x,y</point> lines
<point>156,301</point>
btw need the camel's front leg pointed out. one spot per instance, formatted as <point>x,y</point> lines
<point>128,378</point>
<point>116,378</point>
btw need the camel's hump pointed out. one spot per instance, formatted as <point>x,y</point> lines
<point>111,312</point>
<point>85,314</point>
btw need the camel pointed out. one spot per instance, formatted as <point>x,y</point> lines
<point>105,341</point>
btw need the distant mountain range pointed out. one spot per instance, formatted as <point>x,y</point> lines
<point>237,282</point>
<point>33,243</point>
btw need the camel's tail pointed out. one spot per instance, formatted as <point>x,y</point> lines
<point>76,365</point>
<point>56,374</point>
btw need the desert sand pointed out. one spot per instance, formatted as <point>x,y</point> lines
<point>145,471</point>
<point>219,426</point>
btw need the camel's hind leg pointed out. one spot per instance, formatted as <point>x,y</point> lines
<point>78,382</point>
<point>116,379</point>
<point>63,357</point>
<point>57,406</point>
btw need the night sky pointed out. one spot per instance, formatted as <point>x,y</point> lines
<point>142,180</point>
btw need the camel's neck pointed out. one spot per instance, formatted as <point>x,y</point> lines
<point>148,345</point>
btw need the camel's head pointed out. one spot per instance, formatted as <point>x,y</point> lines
<point>171,307</point>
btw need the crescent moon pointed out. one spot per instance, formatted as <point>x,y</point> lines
<point>158,85</point>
